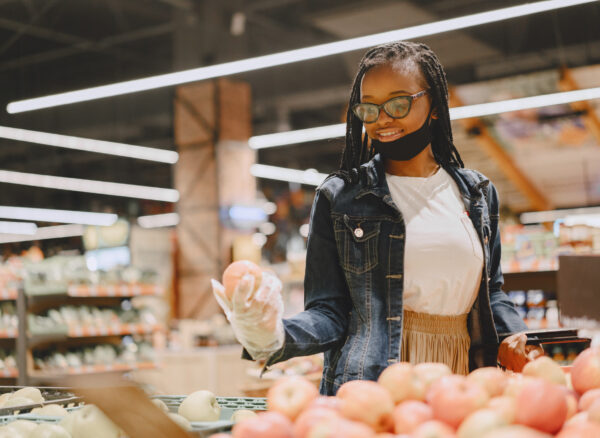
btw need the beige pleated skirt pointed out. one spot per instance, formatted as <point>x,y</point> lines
<point>436,338</point>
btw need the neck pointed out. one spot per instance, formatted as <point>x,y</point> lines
<point>423,165</point>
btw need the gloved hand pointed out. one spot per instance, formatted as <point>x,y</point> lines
<point>255,315</point>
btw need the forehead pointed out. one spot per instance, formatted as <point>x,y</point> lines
<point>383,80</point>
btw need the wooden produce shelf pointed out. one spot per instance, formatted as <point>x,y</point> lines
<point>93,369</point>
<point>10,333</point>
<point>8,373</point>
<point>8,294</point>
<point>113,330</point>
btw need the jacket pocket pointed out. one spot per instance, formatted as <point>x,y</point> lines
<point>357,241</point>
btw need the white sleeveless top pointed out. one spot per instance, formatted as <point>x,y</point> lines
<point>443,257</point>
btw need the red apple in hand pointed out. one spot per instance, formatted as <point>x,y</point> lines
<point>452,398</point>
<point>585,373</point>
<point>367,402</point>
<point>234,273</point>
<point>290,395</point>
<point>409,415</point>
<point>542,405</point>
<point>265,425</point>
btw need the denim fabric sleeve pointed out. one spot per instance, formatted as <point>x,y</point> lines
<point>324,321</point>
<point>506,318</point>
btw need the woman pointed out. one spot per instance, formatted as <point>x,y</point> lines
<point>403,257</point>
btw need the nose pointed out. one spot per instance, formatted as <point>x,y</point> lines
<point>384,119</point>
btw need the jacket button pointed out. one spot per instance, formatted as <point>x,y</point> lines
<point>359,232</point>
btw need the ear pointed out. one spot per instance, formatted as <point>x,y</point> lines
<point>434,114</point>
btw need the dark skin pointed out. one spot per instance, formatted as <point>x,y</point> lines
<point>383,83</point>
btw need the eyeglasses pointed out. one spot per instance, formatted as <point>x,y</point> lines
<point>396,108</point>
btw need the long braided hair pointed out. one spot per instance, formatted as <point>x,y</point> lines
<point>356,150</point>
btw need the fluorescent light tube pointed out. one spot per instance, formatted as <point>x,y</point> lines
<point>64,216</point>
<point>43,233</point>
<point>158,220</point>
<point>456,113</point>
<point>309,177</point>
<point>89,186</point>
<point>287,57</point>
<point>27,228</point>
<point>90,145</point>
<point>537,217</point>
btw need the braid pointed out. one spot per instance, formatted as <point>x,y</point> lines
<point>356,150</point>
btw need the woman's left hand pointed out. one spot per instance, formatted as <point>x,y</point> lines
<point>514,352</point>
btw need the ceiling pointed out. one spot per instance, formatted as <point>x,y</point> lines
<point>49,46</point>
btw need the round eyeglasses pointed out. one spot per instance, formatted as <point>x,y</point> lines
<point>396,108</point>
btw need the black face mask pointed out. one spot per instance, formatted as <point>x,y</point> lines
<point>408,147</point>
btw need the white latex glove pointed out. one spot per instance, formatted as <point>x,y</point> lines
<point>255,316</point>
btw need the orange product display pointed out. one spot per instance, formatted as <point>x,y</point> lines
<point>425,400</point>
<point>122,290</point>
<point>234,273</point>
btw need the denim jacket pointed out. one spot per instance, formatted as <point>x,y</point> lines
<point>354,280</point>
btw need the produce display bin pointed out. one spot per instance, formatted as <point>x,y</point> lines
<point>52,395</point>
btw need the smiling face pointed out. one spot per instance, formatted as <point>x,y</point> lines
<point>384,82</point>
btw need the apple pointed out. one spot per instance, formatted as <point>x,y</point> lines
<point>49,431</point>
<point>90,422</point>
<point>579,417</point>
<point>310,417</point>
<point>367,402</point>
<point>181,421</point>
<point>18,401</point>
<point>234,273</point>
<point>480,422</point>
<point>433,429</point>
<point>220,435</point>
<point>594,412</point>
<point>545,368</point>
<point>515,384</point>
<point>410,414</point>
<point>337,427</point>
<point>33,394</point>
<point>571,401</point>
<point>402,382</point>
<point>22,427</point>
<point>200,406</point>
<point>327,402</point>
<point>453,398</point>
<point>585,372</point>
<point>582,429</point>
<point>242,414</point>
<point>541,405</point>
<point>160,404</point>
<point>516,431</point>
<point>52,410</point>
<point>504,405</point>
<point>264,425</point>
<point>430,372</point>
<point>589,397</point>
<point>492,379</point>
<point>291,395</point>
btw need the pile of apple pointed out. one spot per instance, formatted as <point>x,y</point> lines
<point>428,401</point>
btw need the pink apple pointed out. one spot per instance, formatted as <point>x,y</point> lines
<point>410,414</point>
<point>265,425</point>
<point>542,405</point>
<point>453,398</point>
<point>515,384</point>
<point>367,402</point>
<point>504,405</point>
<point>429,372</point>
<point>402,382</point>
<point>585,373</point>
<point>516,431</point>
<point>340,427</point>
<point>290,395</point>
<point>480,422</point>
<point>492,379</point>
<point>310,417</point>
<point>433,429</point>
<point>594,412</point>
<point>327,402</point>
<point>589,397</point>
<point>545,368</point>
<point>582,429</point>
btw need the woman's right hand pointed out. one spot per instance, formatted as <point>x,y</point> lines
<point>255,314</point>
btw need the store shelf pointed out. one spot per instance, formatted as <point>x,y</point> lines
<point>8,373</point>
<point>113,330</point>
<point>124,290</point>
<point>544,280</point>
<point>92,369</point>
<point>8,294</point>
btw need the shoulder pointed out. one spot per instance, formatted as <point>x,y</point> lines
<point>335,187</point>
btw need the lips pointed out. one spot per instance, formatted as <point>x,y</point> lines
<point>389,134</point>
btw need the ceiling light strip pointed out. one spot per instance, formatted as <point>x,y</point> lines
<point>27,228</point>
<point>287,57</point>
<point>538,217</point>
<point>89,186</point>
<point>55,232</point>
<point>60,216</point>
<point>309,177</point>
<point>158,220</point>
<point>90,145</point>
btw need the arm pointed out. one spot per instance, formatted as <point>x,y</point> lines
<point>506,318</point>
<point>327,303</point>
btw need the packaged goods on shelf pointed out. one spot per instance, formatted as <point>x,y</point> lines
<point>529,248</point>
